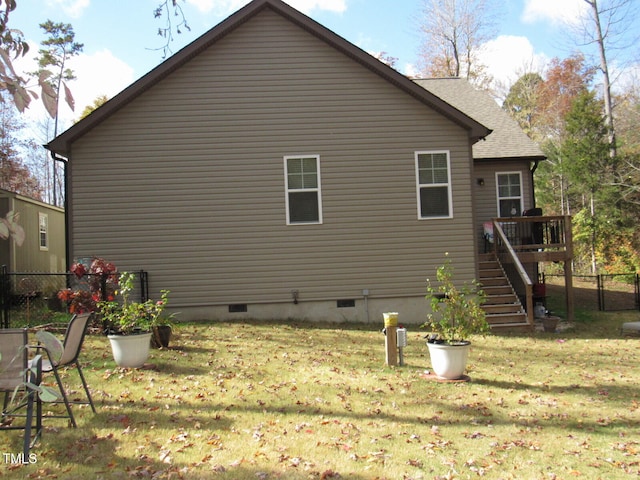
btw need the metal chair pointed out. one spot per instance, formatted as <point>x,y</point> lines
<point>20,380</point>
<point>71,347</point>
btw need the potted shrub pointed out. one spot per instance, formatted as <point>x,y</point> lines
<point>129,324</point>
<point>456,314</point>
<point>161,333</point>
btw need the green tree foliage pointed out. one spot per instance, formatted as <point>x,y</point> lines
<point>98,102</point>
<point>58,48</point>
<point>522,101</point>
<point>563,111</point>
<point>589,174</point>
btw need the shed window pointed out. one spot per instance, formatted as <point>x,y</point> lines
<point>509,186</point>
<point>303,198</point>
<point>43,230</point>
<point>433,184</point>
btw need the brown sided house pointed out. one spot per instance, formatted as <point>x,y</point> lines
<point>271,169</point>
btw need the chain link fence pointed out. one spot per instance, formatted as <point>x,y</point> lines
<point>605,292</point>
<point>29,299</point>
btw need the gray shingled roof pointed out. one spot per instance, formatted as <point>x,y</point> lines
<point>507,141</point>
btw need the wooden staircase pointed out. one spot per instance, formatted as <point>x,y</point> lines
<point>502,306</point>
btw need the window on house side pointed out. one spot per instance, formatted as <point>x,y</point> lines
<point>509,186</point>
<point>43,230</point>
<point>304,201</point>
<point>434,185</point>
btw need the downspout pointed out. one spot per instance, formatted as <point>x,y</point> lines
<point>533,184</point>
<point>67,226</point>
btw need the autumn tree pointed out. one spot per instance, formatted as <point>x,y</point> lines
<point>522,101</point>
<point>98,102</point>
<point>563,82</point>
<point>15,176</point>
<point>453,32</point>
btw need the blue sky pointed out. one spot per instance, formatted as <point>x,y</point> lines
<point>119,36</point>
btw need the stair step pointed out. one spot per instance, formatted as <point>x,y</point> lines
<point>502,289</point>
<point>500,299</point>
<point>502,318</point>
<point>494,282</point>
<point>512,327</point>
<point>491,273</point>
<point>502,308</point>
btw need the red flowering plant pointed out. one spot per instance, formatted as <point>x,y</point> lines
<point>101,282</point>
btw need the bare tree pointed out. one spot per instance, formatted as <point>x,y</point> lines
<point>607,27</point>
<point>165,10</point>
<point>454,31</point>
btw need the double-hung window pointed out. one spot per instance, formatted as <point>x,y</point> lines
<point>43,230</point>
<point>303,196</point>
<point>433,175</point>
<point>509,186</point>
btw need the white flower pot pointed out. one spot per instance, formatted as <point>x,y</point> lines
<point>449,361</point>
<point>130,351</point>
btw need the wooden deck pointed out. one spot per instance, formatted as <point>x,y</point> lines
<point>520,242</point>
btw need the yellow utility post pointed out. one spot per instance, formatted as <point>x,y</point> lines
<point>391,338</point>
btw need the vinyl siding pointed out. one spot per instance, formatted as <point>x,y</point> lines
<point>187,181</point>
<point>486,196</point>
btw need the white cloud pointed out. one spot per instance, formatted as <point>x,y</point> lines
<point>508,57</point>
<point>557,12</point>
<point>305,6</point>
<point>205,6</point>
<point>100,73</point>
<point>73,8</point>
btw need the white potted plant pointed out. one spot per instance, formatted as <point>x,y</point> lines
<point>456,314</point>
<point>129,324</point>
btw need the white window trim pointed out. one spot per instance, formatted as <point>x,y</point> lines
<point>46,230</point>
<point>448,184</point>
<point>498,197</point>
<point>318,190</point>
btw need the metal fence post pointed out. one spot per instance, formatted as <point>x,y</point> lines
<point>5,297</point>
<point>144,286</point>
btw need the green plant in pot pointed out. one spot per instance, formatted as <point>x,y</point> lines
<point>456,314</point>
<point>129,324</point>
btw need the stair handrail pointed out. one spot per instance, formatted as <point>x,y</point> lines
<point>501,238</point>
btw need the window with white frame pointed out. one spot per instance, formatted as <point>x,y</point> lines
<point>509,185</point>
<point>304,200</point>
<point>433,177</point>
<point>43,230</point>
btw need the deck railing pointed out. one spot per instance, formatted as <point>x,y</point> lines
<point>519,241</point>
<point>514,269</point>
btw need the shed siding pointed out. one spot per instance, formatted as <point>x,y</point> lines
<point>187,180</point>
<point>28,257</point>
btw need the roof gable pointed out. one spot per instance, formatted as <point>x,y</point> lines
<point>62,144</point>
<point>507,139</point>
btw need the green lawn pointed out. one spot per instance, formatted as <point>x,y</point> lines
<point>282,401</point>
